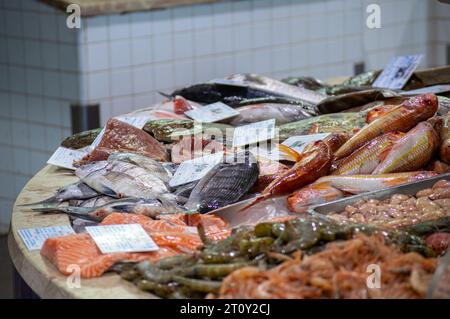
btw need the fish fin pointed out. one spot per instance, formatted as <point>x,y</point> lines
<point>50,200</point>
<point>166,95</point>
<point>289,152</point>
<point>385,152</point>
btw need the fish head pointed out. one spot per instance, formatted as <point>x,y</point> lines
<point>424,106</point>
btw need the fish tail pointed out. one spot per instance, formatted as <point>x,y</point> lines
<point>49,201</point>
<point>289,152</point>
<point>166,95</point>
<point>79,212</point>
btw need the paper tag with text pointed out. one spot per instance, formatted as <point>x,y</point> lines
<point>64,157</point>
<point>298,143</point>
<point>195,169</point>
<point>398,71</point>
<point>253,133</point>
<point>34,238</point>
<point>212,113</point>
<point>121,238</point>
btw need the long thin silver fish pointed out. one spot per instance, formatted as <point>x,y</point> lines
<point>147,207</point>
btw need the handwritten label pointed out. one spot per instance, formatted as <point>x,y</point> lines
<point>64,157</point>
<point>34,238</point>
<point>398,71</point>
<point>253,133</point>
<point>212,113</point>
<point>121,238</point>
<point>136,121</point>
<point>436,89</point>
<point>195,169</point>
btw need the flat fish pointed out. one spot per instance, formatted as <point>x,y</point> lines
<point>225,184</point>
<point>282,113</point>
<point>147,207</point>
<point>120,179</point>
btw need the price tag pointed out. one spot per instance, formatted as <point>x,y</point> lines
<point>138,122</point>
<point>298,143</point>
<point>34,238</point>
<point>64,157</point>
<point>398,71</point>
<point>253,133</point>
<point>121,238</point>
<point>195,169</point>
<point>436,89</point>
<point>212,113</point>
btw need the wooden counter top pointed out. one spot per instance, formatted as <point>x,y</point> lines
<point>39,273</point>
<point>103,7</point>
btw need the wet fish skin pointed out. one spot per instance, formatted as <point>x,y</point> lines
<point>366,158</point>
<point>225,184</point>
<point>282,113</point>
<point>147,207</point>
<point>314,194</point>
<point>401,118</point>
<point>412,151</point>
<point>82,139</point>
<point>357,184</point>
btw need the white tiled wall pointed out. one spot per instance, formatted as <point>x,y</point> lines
<point>122,61</point>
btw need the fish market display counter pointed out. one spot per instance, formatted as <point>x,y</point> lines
<point>37,272</point>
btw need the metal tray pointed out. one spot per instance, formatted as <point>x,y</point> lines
<point>406,189</point>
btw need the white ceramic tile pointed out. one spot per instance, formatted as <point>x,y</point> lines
<point>18,80</point>
<point>31,25</point>
<point>6,160</point>
<point>222,14</point>
<point>335,50</point>
<point>182,18</point>
<point>98,85</point>
<point>243,61</point>
<point>19,183</point>
<point>5,185</point>
<point>161,22</point>
<point>4,105</point>
<point>50,55</point>
<point>353,48</point>
<point>49,27</point>
<point>4,77</point>
<point>52,137</point>
<point>317,53</point>
<point>242,12</point>
<point>3,50</point>
<point>5,135</point>
<point>22,162</point>
<point>66,119</point>
<point>141,24</point>
<point>262,60</point>
<point>15,4</point>
<point>52,108</point>
<point>204,69</point>
<point>16,54</point>
<point>69,85</point>
<point>32,53</point>
<point>120,53</point>
<point>142,79</point>
<point>143,100</point>
<point>354,21</point>
<point>18,108</point>
<point>97,56</point>
<point>38,162</point>
<point>119,26</point>
<point>223,40</point>
<point>299,28</point>
<point>37,136</point>
<point>14,23</point>
<point>202,17</point>
<point>281,58</point>
<point>261,10</point>
<point>203,42</point>
<point>20,134</point>
<point>183,45</point>
<point>184,71</point>
<point>52,85</point>
<point>280,32</point>
<point>261,34</point>
<point>224,65</point>
<point>121,83</point>
<point>67,35</point>
<point>35,110</point>
<point>96,29</point>
<point>335,24</point>
<point>105,111</point>
<point>141,50</point>
<point>121,105</point>
<point>163,76</point>
<point>281,9</point>
<point>68,57</point>
<point>162,47</point>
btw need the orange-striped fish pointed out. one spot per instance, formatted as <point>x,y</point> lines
<point>316,193</point>
<point>401,118</point>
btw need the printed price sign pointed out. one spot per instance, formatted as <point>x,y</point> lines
<point>435,89</point>
<point>254,133</point>
<point>299,142</point>
<point>212,113</point>
<point>136,121</point>
<point>398,71</point>
<point>121,238</point>
<point>64,157</point>
<point>195,169</point>
<point>34,238</point>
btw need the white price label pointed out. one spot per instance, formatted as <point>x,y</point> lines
<point>212,113</point>
<point>138,122</point>
<point>253,133</point>
<point>298,143</point>
<point>398,71</point>
<point>121,238</point>
<point>64,157</point>
<point>435,89</point>
<point>195,169</point>
<point>34,238</point>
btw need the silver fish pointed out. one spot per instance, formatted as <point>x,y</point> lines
<point>147,207</point>
<point>74,191</point>
<point>225,184</point>
<point>145,162</point>
<point>92,202</point>
<point>121,179</point>
<point>282,113</point>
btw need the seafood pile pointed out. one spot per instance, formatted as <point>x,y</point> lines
<point>371,139</point>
